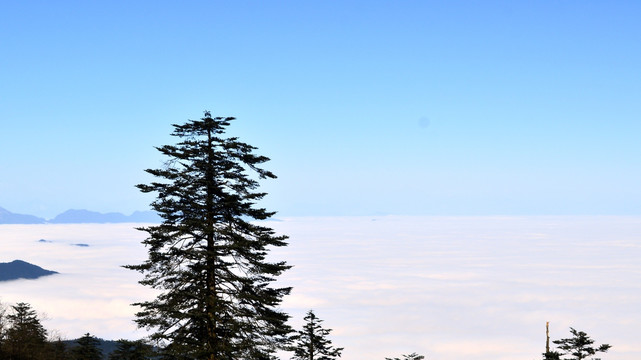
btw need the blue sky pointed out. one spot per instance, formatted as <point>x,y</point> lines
<point>365,107</point>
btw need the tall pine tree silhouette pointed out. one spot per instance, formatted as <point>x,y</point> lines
<point>206,258</point>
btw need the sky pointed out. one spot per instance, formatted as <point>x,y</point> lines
<point>446,287</point>
<point>364,107</point>
<point>498,110</point>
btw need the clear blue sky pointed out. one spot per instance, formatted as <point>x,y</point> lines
<point>365,107</point>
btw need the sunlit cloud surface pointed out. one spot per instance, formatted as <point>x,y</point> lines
<point>445,287</point>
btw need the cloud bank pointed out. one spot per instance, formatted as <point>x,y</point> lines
<point>445,287</point>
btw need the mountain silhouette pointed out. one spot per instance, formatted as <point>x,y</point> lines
<point>81,217</point>
<point>19,269</point>
<point>7,217</point>
<point>86,216</point>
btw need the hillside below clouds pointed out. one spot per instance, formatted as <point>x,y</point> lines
<point>80,217</point>
<point>19,269</point>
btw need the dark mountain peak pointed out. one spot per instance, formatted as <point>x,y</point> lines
<point>18,269</point>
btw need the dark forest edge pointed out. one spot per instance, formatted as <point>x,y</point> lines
<point>22,336</point>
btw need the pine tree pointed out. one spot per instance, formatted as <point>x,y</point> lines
<point>206,258</point>
<point>25,337</point>
<point>579,346</point>
<point>88,348</point>
<point>57,350</point>
<point>132,350</point>
<point>311,343</point>
<point>412,356</point>
<point>551,355</point>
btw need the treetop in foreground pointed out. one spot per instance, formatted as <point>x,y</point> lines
<point>88,348</point>
<point>311,343</point>
<point>579,346</point>
<point>412,356</point>
<point>206,258</point>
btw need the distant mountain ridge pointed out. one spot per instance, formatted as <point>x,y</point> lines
<point>80,217</point>
<point>19,269</point>
<point>7,217</point>
<point>86,216</point>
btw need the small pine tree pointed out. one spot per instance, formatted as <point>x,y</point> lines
<point>311,343</point>
<point>88,348</point>
<point>57,350</point>
<point>412,356</point>
<point>25,336</point>
<point>132,350</point>
<point>579,346</point>
<point>551,355</point>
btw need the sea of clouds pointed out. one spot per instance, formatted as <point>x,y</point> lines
<point>445,287</point>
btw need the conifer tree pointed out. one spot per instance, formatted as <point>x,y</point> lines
<point>551,355</point>
<point>311,343</point>
<point>412,356</point>
<point>25,337</point>
<point>206,258</point>
<point>57,350</point>
<point>132,350</point>
<point>88,348</point>
<point>579,346</point>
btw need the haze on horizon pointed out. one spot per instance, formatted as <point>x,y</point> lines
<point>472,108</point>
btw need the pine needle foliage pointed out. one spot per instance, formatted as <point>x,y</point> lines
<point>311,343</point>
<point>132,350</point>
<point>88,348</point>
<point>208,257</point>
<point>25,338</point>
<point>580,346</point>
<point>412,356</point>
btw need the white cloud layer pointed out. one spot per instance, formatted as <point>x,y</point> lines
<point>445,287</point>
